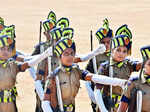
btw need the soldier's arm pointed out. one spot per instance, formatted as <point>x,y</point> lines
<point>34,61</point>
<point>125,100</point>
<point>89,66</point>
<point>38,81</point>
<point>41,69</point>
<point>103,70</point>
<point>101,79</point>
<point>50,95</point>
<point>101,49</point>
<point>36,50</point>
<point>135,65</point>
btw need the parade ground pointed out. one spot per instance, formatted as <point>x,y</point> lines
<point>84,15</point>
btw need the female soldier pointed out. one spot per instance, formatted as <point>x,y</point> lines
<point>128,100</point>
<point>122,68</point>
<point>8,72</point>
<point>69,76</point>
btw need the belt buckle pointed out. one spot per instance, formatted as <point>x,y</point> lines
<point>7,94</point>
<point>69,108</point>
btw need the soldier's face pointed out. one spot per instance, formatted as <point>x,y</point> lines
<point>5,53</point>
<point>106,42</point>
<point>119,53</point>
<point>147,67</point>
<point>67,57</point>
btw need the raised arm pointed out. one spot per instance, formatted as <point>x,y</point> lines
<point>34,61</point>
<point>101,49</point>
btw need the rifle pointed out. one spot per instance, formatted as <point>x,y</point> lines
<point>94,59</point>
<point>110,70</point>
<point>97,92</point>
<point>40,32</point>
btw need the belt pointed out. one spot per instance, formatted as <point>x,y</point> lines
<point>69,108</point>
<point>8,95</point>
<point>116,98</point>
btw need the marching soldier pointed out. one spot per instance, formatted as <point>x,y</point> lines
<point>130,98</point>
<point>122,68</point>
<point>9,69</point>
<point>104,36</point>
<point>64,82</point>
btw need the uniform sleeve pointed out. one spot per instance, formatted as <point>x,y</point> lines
<point>104,69</point>
<point>21,67</point>
<point>89,66</point>
<point>15,56</point>
<point>135,65</point>
<point>36,50</point>
<point>127,93</point>
<point>50,92</point>
<point>82,73</point>
<point>41,69</point>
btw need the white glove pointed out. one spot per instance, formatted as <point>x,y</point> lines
<point>90,91</point>
<point>27,58</point>
<point>101,79</point>
<point>39,89</point>
<point>134,77</point>
<point>40,57</point>
<point>46,106</point>
<point>101,49</point>
<point>99,100</point>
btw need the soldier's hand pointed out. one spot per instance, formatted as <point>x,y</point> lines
<point>101,49</point>
<point>77,59</point>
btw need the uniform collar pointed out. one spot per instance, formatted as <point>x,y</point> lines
<point>66,68</point>
<point>107,53</point>
<point>118,64</point>
<point>3,63</point>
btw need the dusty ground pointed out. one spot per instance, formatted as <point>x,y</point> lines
<point>84,15</point>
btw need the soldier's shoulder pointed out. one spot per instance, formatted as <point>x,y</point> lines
<point>39,44</point>
<point>56,71</point>
<point>105,64</point>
